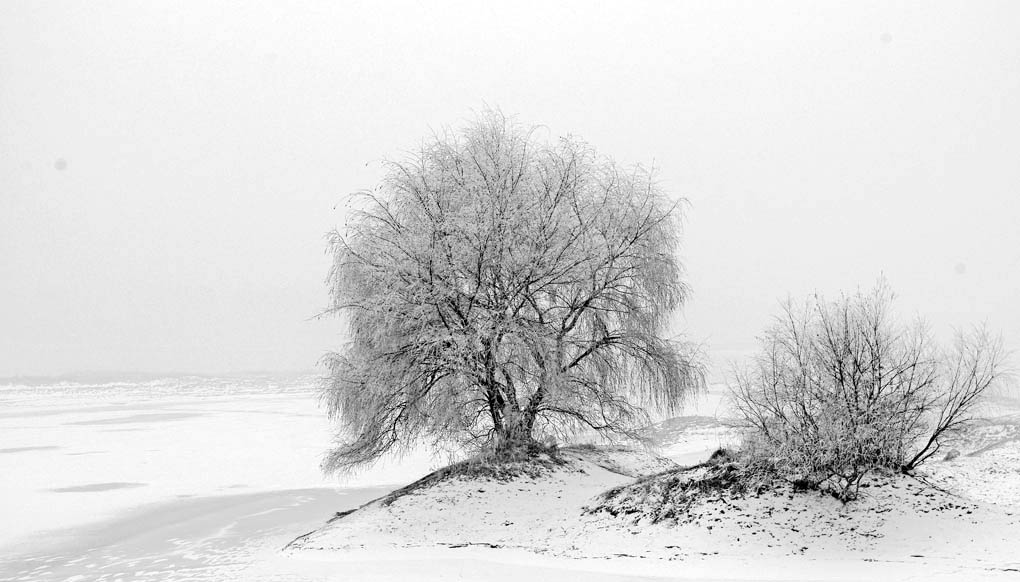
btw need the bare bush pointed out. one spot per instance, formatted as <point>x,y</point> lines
<point>841,388</point>
<point>497,289</point>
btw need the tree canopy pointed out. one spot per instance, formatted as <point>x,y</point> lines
<point>497,288</point>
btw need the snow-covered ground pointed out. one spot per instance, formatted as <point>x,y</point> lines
<point>900,530</point>
<point>988,467</point>
<point>209,479</point>
<point>176,476</point>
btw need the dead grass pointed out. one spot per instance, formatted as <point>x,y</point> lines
<point>667,496</point>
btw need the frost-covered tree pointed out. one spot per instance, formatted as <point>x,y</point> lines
<point>498,289</point>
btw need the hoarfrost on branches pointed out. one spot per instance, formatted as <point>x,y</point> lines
<point>498,289</point>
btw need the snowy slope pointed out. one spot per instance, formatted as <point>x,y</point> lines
<point>536,513</point>
<point>900,526</point>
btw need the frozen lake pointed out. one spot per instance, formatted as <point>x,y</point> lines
<point>165,479</point>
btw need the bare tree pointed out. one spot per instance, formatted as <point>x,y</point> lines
<point>840,388</point>
<point>497,288</point>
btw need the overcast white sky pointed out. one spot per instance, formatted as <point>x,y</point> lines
<point>168,170</point>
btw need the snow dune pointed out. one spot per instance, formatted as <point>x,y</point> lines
<point>900,528</point>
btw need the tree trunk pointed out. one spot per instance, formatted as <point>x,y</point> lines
<point>515,433</point>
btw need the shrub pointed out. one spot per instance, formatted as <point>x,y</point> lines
<point>841,388</point>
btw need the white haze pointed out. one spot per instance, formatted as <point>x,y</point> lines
<point>168,170</point>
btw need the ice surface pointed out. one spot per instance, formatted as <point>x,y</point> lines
<point>120,459</point>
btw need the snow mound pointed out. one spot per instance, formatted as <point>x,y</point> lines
<point>671,495</point>
<point>718,505</point>
<point>523,505</point>
<point>625,461</point>
<point>599,503</point>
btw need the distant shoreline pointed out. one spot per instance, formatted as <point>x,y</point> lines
<point>113,376</point>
